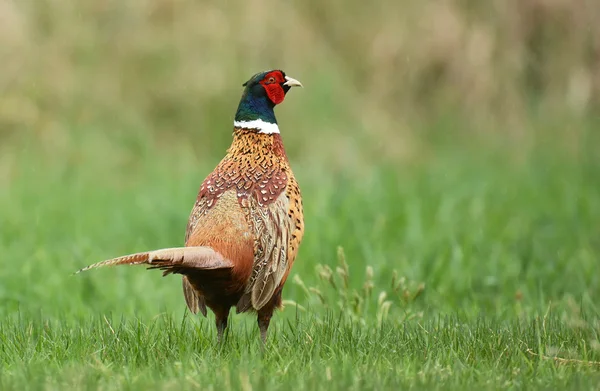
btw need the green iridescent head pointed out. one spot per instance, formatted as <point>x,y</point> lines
<point>261,94</point>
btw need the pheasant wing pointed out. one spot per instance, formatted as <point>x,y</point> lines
<point>271,226</point>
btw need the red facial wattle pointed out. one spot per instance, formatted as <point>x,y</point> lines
<point>275,92</point>
<point>272,85</point>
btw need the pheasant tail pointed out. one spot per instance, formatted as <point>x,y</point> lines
<point>132,259</point>
<point>195,302</point>
<point>171,260</point>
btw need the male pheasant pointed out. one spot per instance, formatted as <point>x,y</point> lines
<point>247,223</point>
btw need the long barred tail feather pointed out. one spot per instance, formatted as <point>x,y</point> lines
<point>132,259</point>
<point>177,259</point>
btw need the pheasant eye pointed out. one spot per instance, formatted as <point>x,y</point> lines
<point>271,80</point>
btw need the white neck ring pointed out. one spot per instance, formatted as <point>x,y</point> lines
<point>258,124</point>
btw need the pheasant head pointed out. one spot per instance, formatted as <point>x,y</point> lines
<point>262,93</point>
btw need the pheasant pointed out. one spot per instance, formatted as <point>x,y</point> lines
<point>247,223</point>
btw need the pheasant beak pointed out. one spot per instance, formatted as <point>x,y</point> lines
<point>292,82</point>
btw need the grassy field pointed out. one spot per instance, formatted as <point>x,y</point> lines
<point>496,274</point>
<point>447,155</point>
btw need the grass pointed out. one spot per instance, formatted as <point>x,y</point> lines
<point>447,155</point>
<point>464,271</point>
<point>169,353</point>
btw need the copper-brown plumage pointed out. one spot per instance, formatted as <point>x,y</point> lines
<point>246,225</point>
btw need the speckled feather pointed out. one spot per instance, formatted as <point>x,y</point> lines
<point>256,168</point>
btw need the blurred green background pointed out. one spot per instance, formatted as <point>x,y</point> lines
<point>454,141</point>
